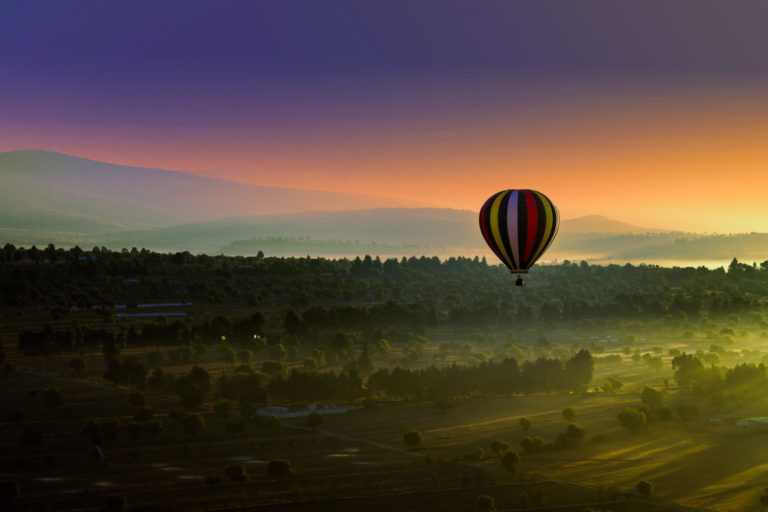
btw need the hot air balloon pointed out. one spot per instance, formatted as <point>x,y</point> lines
<point>519,226</point>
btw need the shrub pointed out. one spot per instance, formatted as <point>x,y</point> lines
<point>279,469</point>
<point>572,437</point>
<point>413,439</point>
<point>53,397</point>
<point>633,420</point>
<point>115,503</point>
<point>644,488</point>
<point>313,420</point>
<point>236,473</point>
<point>485,503</point>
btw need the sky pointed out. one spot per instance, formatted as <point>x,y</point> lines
<point>653,112</point>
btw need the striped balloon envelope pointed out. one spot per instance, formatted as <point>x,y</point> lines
<point>519,226</point>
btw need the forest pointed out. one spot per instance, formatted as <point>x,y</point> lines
<point>206,351</point>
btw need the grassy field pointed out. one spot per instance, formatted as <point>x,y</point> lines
<point>358,460</point>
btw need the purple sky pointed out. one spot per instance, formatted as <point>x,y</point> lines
<point>355,94</point>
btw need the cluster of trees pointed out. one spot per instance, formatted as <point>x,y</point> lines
<point>637,419</point>
<point>490,378</point>
<point>744,382</point>
<point>423,291</point>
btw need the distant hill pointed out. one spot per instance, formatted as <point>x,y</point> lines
<point>432,229</point>
<point>59,193</point>
<point>601,224</point>
<point>49,197</point>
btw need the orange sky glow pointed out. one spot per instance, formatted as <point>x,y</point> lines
<point>693,160</point>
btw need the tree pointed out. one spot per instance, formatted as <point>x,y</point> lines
<point>485,503</point>
<point>573,436</point>
<point>137,399</point>
<point>193,424</point>
<point>279,469</point>
<point>222,409</point>
<point>227,354</point>
<point>578,370</point>
<point>532,444</point>
<point>110,351</point>
<point>245,356</point>
<point>612,384</point>
<point>135,430</point>
<point>143,414</point>
<point>764,497</point>
<point>153,428</point>
<point>525,424</point>
<point>510,461</point>
<point>633,420</point>
<point>274,368</point>
<point>652,398</point>
<point>413,439</point>
<point>192,387</point>
<point>687,369</point>
<point>498,447</point>
<point>53,397</point>
<point>314,420</point>
<point>644,488</point>
<point>77,365</point>
<point>97,454</point>
<point>568,414</point>
<point>237,473</point>
<point>115,503</point>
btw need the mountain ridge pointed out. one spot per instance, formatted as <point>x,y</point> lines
<point>50,187</point>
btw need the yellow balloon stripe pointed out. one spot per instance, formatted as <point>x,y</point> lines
<point>496,226</point>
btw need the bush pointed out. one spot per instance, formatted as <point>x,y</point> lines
<point>510,461</point>
<point>53,397</point>
<point>498,447</point>
<point>572,437</point>
<point>644,488</point>
<point>485,503</point>
<point>193,424</point>
<point>413,439</point>
<point>236,473</point>
<point>115,503</point>
<point>568,414</point>
<point>97,454</point>
<point>279,469</point>
<point>633,420</point>
<point>525,424</point>
<point>222,409</point>
<point>313,420</point>
<point>143,414</point>
<point>236,426</point>
<point>531,444</point>
<point>77,365</point>
<point>212,480</point>
<point>137,399</point>
<point>652,397</point>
